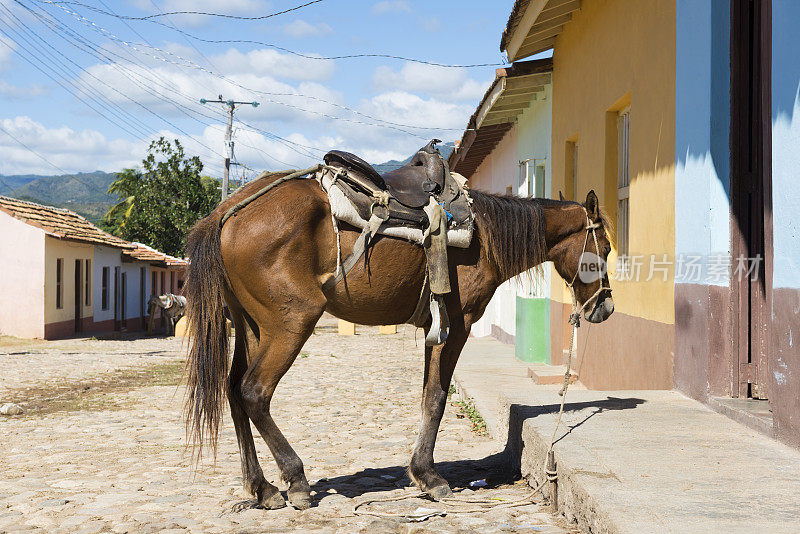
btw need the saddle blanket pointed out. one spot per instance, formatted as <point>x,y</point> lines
<point>343,210</point>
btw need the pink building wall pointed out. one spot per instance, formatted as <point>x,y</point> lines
<point>22,260</point>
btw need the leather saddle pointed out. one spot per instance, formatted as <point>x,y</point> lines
<point>409,187</point>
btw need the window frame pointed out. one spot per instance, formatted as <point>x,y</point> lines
<point>623,182</point>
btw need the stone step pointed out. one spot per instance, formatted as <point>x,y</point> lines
<point>543,374</point>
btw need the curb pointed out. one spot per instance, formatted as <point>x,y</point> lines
<point>526,451</point>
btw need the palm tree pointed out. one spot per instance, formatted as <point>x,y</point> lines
<point>125,187</point>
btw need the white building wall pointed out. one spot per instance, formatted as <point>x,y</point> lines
<point>534,127</point>
<point>500,172</point>
<point>133,296</point>
<point>104,257</point>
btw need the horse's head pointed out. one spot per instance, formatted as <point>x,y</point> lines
<point>580,258</point>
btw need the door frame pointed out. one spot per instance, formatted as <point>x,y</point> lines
<point>751,174</point>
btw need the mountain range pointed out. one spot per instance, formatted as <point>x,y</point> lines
<point>83,192</point>
<point>86,192</point>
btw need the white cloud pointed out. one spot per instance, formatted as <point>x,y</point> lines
<point>17,92</point>
<point>449,83</point>
<point>431,24</point>
<point>407,108</point>
<point>169,89</point>
<point>300,28</point>
<point>389,6</point>
<point>275,64</point>
<point>64,147</point>
<point>7,48</point>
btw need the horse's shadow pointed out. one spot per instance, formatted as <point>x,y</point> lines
<point>458,473</point>
<point>496,469</point>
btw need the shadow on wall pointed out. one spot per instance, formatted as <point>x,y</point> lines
<point>519,413</point>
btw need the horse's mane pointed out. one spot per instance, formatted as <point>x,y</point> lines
<point>511,230</point>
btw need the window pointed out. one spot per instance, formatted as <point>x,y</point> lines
<point>172,282</point>
<point>163,285</point>
<point>104,289</point>
<point>536,187</point>
<point>59,283</point>
<point>623,181</point>
<point>88,283</point>
<point>153,284</point>
<point>531,177</point>
<point>571,171</point>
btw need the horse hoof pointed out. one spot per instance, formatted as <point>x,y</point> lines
<point>440,492</point>
<point>300,500</point>
<point>274,501</point>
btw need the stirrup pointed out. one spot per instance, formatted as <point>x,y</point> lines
<point>440,325</point>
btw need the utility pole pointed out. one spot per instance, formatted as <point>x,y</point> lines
<point>231,104</point>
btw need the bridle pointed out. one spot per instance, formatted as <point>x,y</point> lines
<point>575,317</point>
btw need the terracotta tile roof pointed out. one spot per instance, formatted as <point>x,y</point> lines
<point>142,252</point>
<point>513,20</point>
<point>59,223</point>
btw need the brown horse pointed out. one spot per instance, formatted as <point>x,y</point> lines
<point>269,263</point>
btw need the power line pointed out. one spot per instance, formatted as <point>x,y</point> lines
<point>32,151</point>
<point>172,24</point>
<point>204,13</point>
<point>282,49</point>
<point>382,122</point>
<point>96,52</point>
<point>147,131</point>
<point>231,105</point>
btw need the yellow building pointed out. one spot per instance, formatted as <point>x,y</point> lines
<point>613,131</point>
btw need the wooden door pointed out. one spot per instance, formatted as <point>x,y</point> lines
<point>78,295</point>
<point>123,300</point>
<point>117,323</point>
<point>751,192</point>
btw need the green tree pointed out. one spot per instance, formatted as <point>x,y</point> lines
<point>160,203</point>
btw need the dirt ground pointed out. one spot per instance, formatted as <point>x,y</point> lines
<point>101,445</point>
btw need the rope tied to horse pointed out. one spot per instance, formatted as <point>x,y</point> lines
<point>549,468</point>
<point>292,175</point>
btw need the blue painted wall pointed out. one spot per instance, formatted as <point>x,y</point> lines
<point>702,132</point>
<point>786,142</point>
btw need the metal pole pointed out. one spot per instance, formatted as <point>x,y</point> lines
<point>229,155</point>
<point>228,138</point>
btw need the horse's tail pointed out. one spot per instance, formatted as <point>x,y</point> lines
<point>207,365</point>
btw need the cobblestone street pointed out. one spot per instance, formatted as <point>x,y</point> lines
<point>101,445</point>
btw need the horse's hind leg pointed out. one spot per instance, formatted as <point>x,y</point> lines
<point>253,479</point>
<point>277,350</point>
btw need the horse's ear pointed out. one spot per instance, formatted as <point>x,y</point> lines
<point>561,196</point>
<point>592,205</point>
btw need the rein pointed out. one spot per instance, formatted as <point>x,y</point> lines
<point>574,318</point>
<point>551,474</point>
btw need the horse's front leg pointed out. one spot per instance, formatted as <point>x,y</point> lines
<point>440,362</point>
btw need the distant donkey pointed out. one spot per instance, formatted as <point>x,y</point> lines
<point>173,306</point>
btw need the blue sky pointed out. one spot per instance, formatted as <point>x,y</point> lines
<point>147,78</point>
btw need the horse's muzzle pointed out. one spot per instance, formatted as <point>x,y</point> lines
<point>601,311</point>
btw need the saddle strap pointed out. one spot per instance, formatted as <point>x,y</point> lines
<point>359,248</point>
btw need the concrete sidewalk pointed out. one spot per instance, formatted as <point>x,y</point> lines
<point>635,461</point>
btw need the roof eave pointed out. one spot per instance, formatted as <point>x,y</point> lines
<point>534,25</point>
<point>512,91</point>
